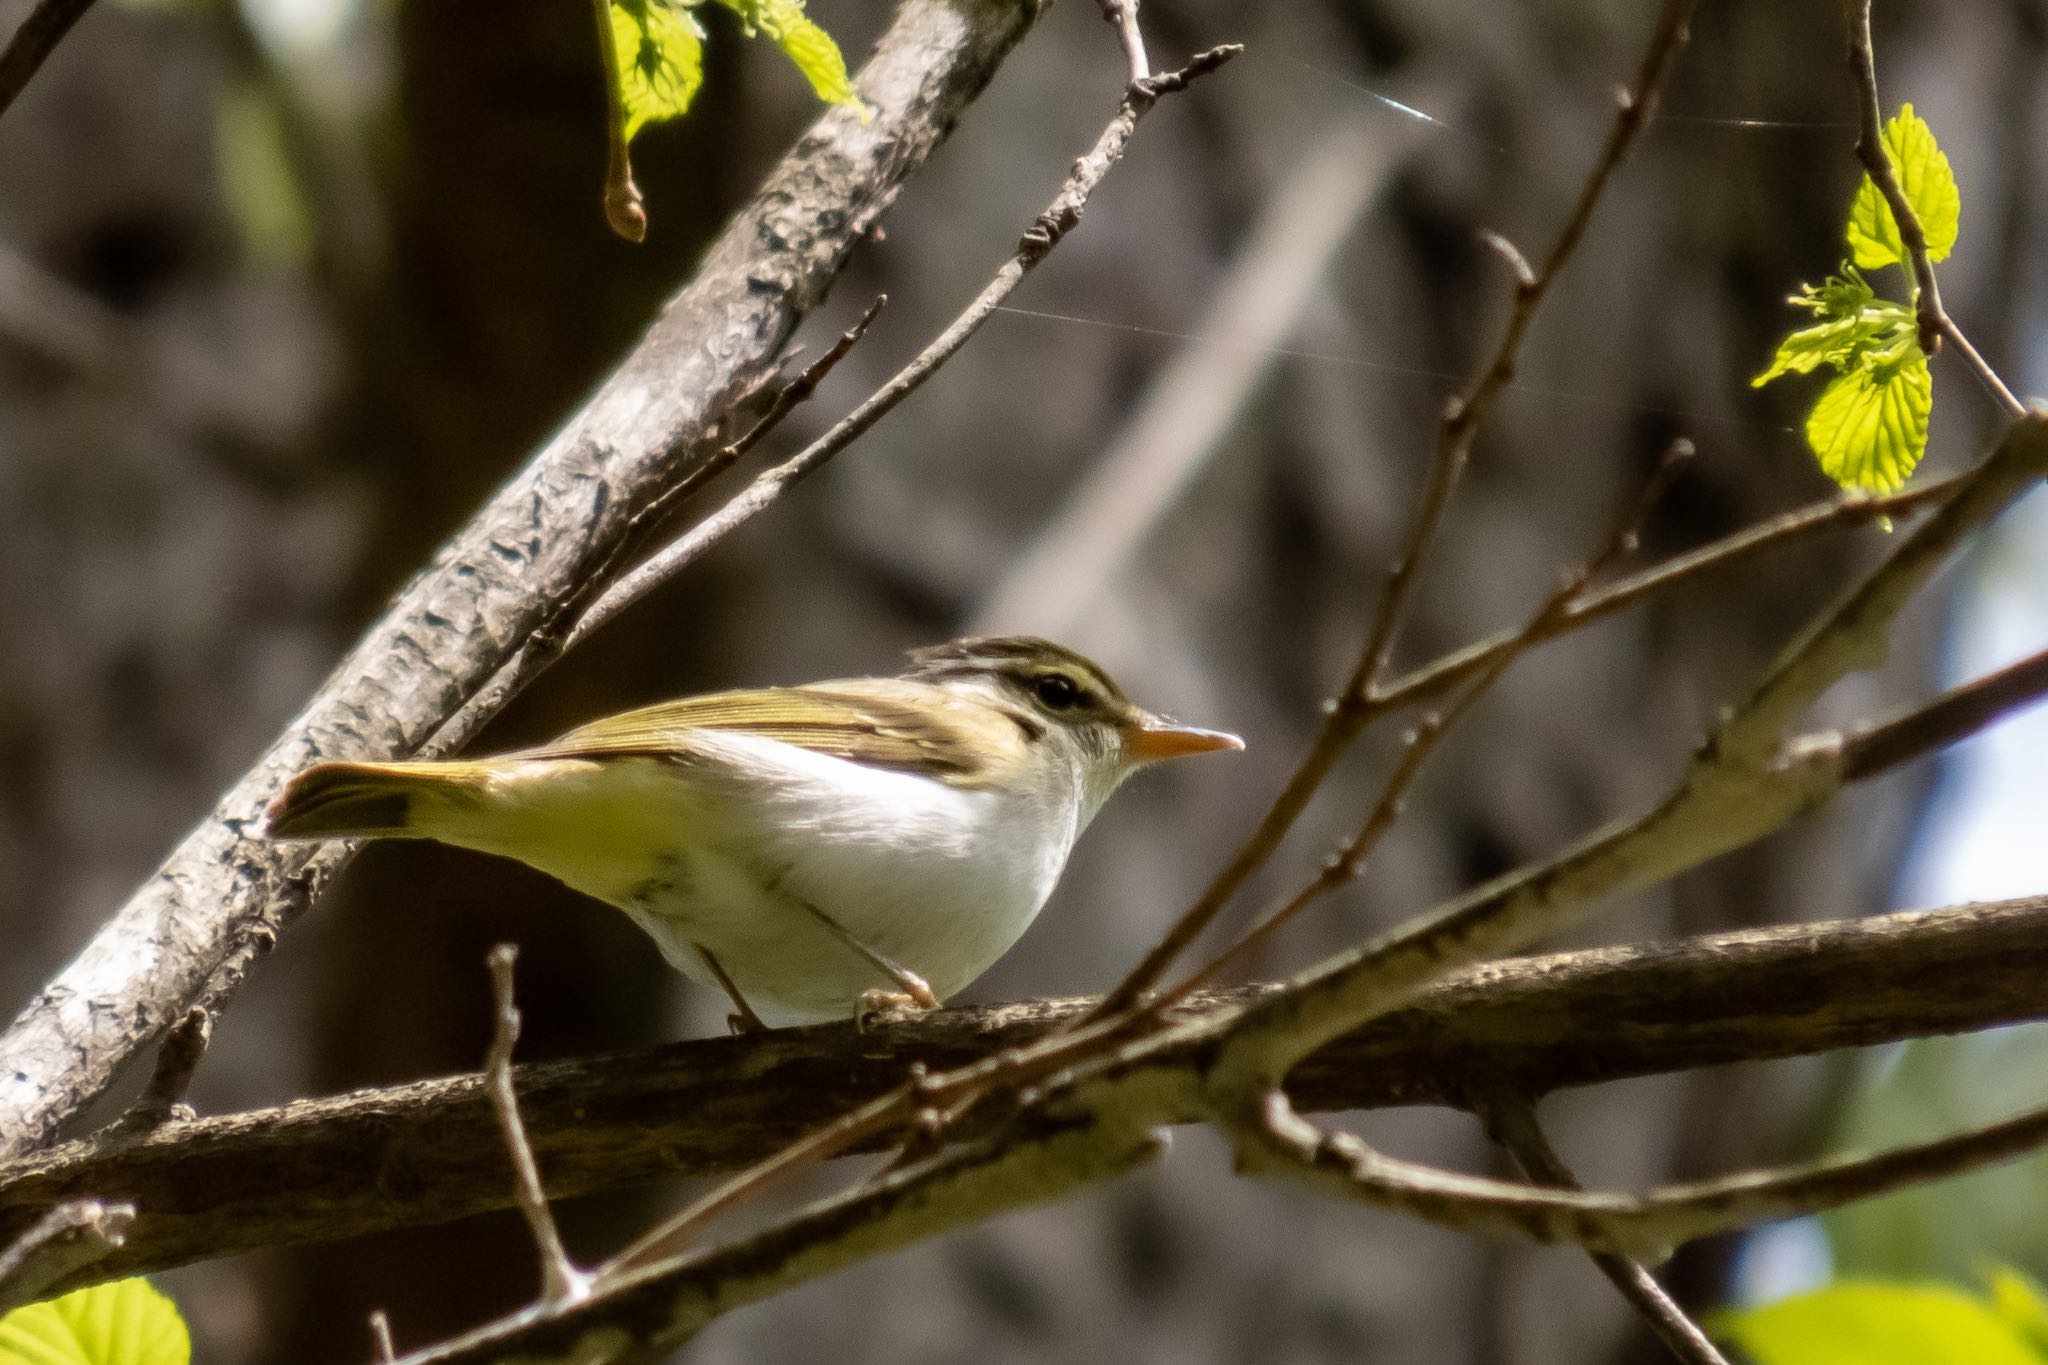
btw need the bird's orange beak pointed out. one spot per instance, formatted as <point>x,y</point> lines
<point>1152,738</point>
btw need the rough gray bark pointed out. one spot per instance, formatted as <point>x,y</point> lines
<point>715,343</point>
<point>364,1162</point>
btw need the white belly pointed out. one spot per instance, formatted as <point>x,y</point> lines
<point>939,880</point>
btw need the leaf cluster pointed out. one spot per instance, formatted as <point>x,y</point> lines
<point>660,51</point>
<point>1869,428</point>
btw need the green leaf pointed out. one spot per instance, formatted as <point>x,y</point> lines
<point>2020,1305</point>
<point>1877,1323</point>
<point>661,60</point>
<point>1870,427</point>
<point>123,1323</point>
<point>1854,325</point>
<point>1929,185</point>
<point>804,43</point>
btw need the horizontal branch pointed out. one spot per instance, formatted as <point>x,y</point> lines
<point>428,1152</point>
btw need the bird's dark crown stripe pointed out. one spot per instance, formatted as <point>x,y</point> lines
<point>1004,654</point>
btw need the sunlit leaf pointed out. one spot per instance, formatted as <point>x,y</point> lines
<point>1929,185</point>
<point>2020,1304</point>
<point>1876,1323</point>
<point>661,60</point>
<point>1869,429</point>
<point>123,1323</point>
<point>803,42</point>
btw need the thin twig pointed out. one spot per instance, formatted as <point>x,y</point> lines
<point>561,1281</point>
<point>1745,781</point>
<point>1935,322</point>
<point>622,208</point>
<point>40,32</point>
<point>71,1236</point>
<point>177,1057</point>
<point>1346,864</point>
<point>1349,713</point>
<point>550,640</point>
<point>1433,679</point>
<point>1511,1122</point>
<point>1045,232</point>
<point>1123,17</point>
<point>380,1322</point>
<point>1955,714</point>
<point>1275,1141</point>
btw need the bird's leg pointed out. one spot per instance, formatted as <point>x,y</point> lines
<point>916,990</point>
<point>743,1019</point>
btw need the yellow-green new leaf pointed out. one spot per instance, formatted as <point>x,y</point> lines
<point>1929,185</point>
<point>2021,1305</point>
<point>803,42</point>
<point>1873,1323</point>
<point>123,1323</point>
<point>1869,429</point>
<point>660,54</point>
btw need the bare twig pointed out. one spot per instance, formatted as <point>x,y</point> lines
<point>177,1057</point>
<point>1511,1122</point>
<point>1957,713</point>
<point>623,212</point>
<point>1746,781</point>
<point>64,1241</point>
<point>1179,424</point>
<point>561,1281</point>
<point>1432,680</point>
<point>1058,219</point>
<point>1935,322</point>
<point>1344,866</point>
<point>40,32</point>
<point>1123,17</point>
<point>1276,1141</point>
<point>380,1321</point>
<point>550,639</point>
<point>1349,714</point>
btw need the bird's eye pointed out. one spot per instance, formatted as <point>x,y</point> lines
<point>1056,691</point>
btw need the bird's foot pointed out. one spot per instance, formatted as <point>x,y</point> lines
<point>877,1006</point>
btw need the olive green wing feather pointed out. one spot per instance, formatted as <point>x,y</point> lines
<point>907,727</point>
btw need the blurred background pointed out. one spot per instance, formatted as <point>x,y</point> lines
<point>288,286</point>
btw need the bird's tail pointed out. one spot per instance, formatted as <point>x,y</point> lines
<point>334,800</point>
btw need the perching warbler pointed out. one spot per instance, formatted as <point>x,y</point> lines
<point>817,851</point>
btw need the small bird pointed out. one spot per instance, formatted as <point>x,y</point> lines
<point>818,852</point>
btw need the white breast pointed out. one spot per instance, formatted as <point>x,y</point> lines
<point>724,851</point>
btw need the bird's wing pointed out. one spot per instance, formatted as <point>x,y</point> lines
<point>884,723</point>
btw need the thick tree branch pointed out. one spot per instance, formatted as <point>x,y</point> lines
<point>222,895</point>
<point>428,1152</point>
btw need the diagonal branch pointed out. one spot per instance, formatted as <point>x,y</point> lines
<point>1351,712</point>
<point>33,42</point>
<point>1511,1122</point>
<point>714,344</point>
